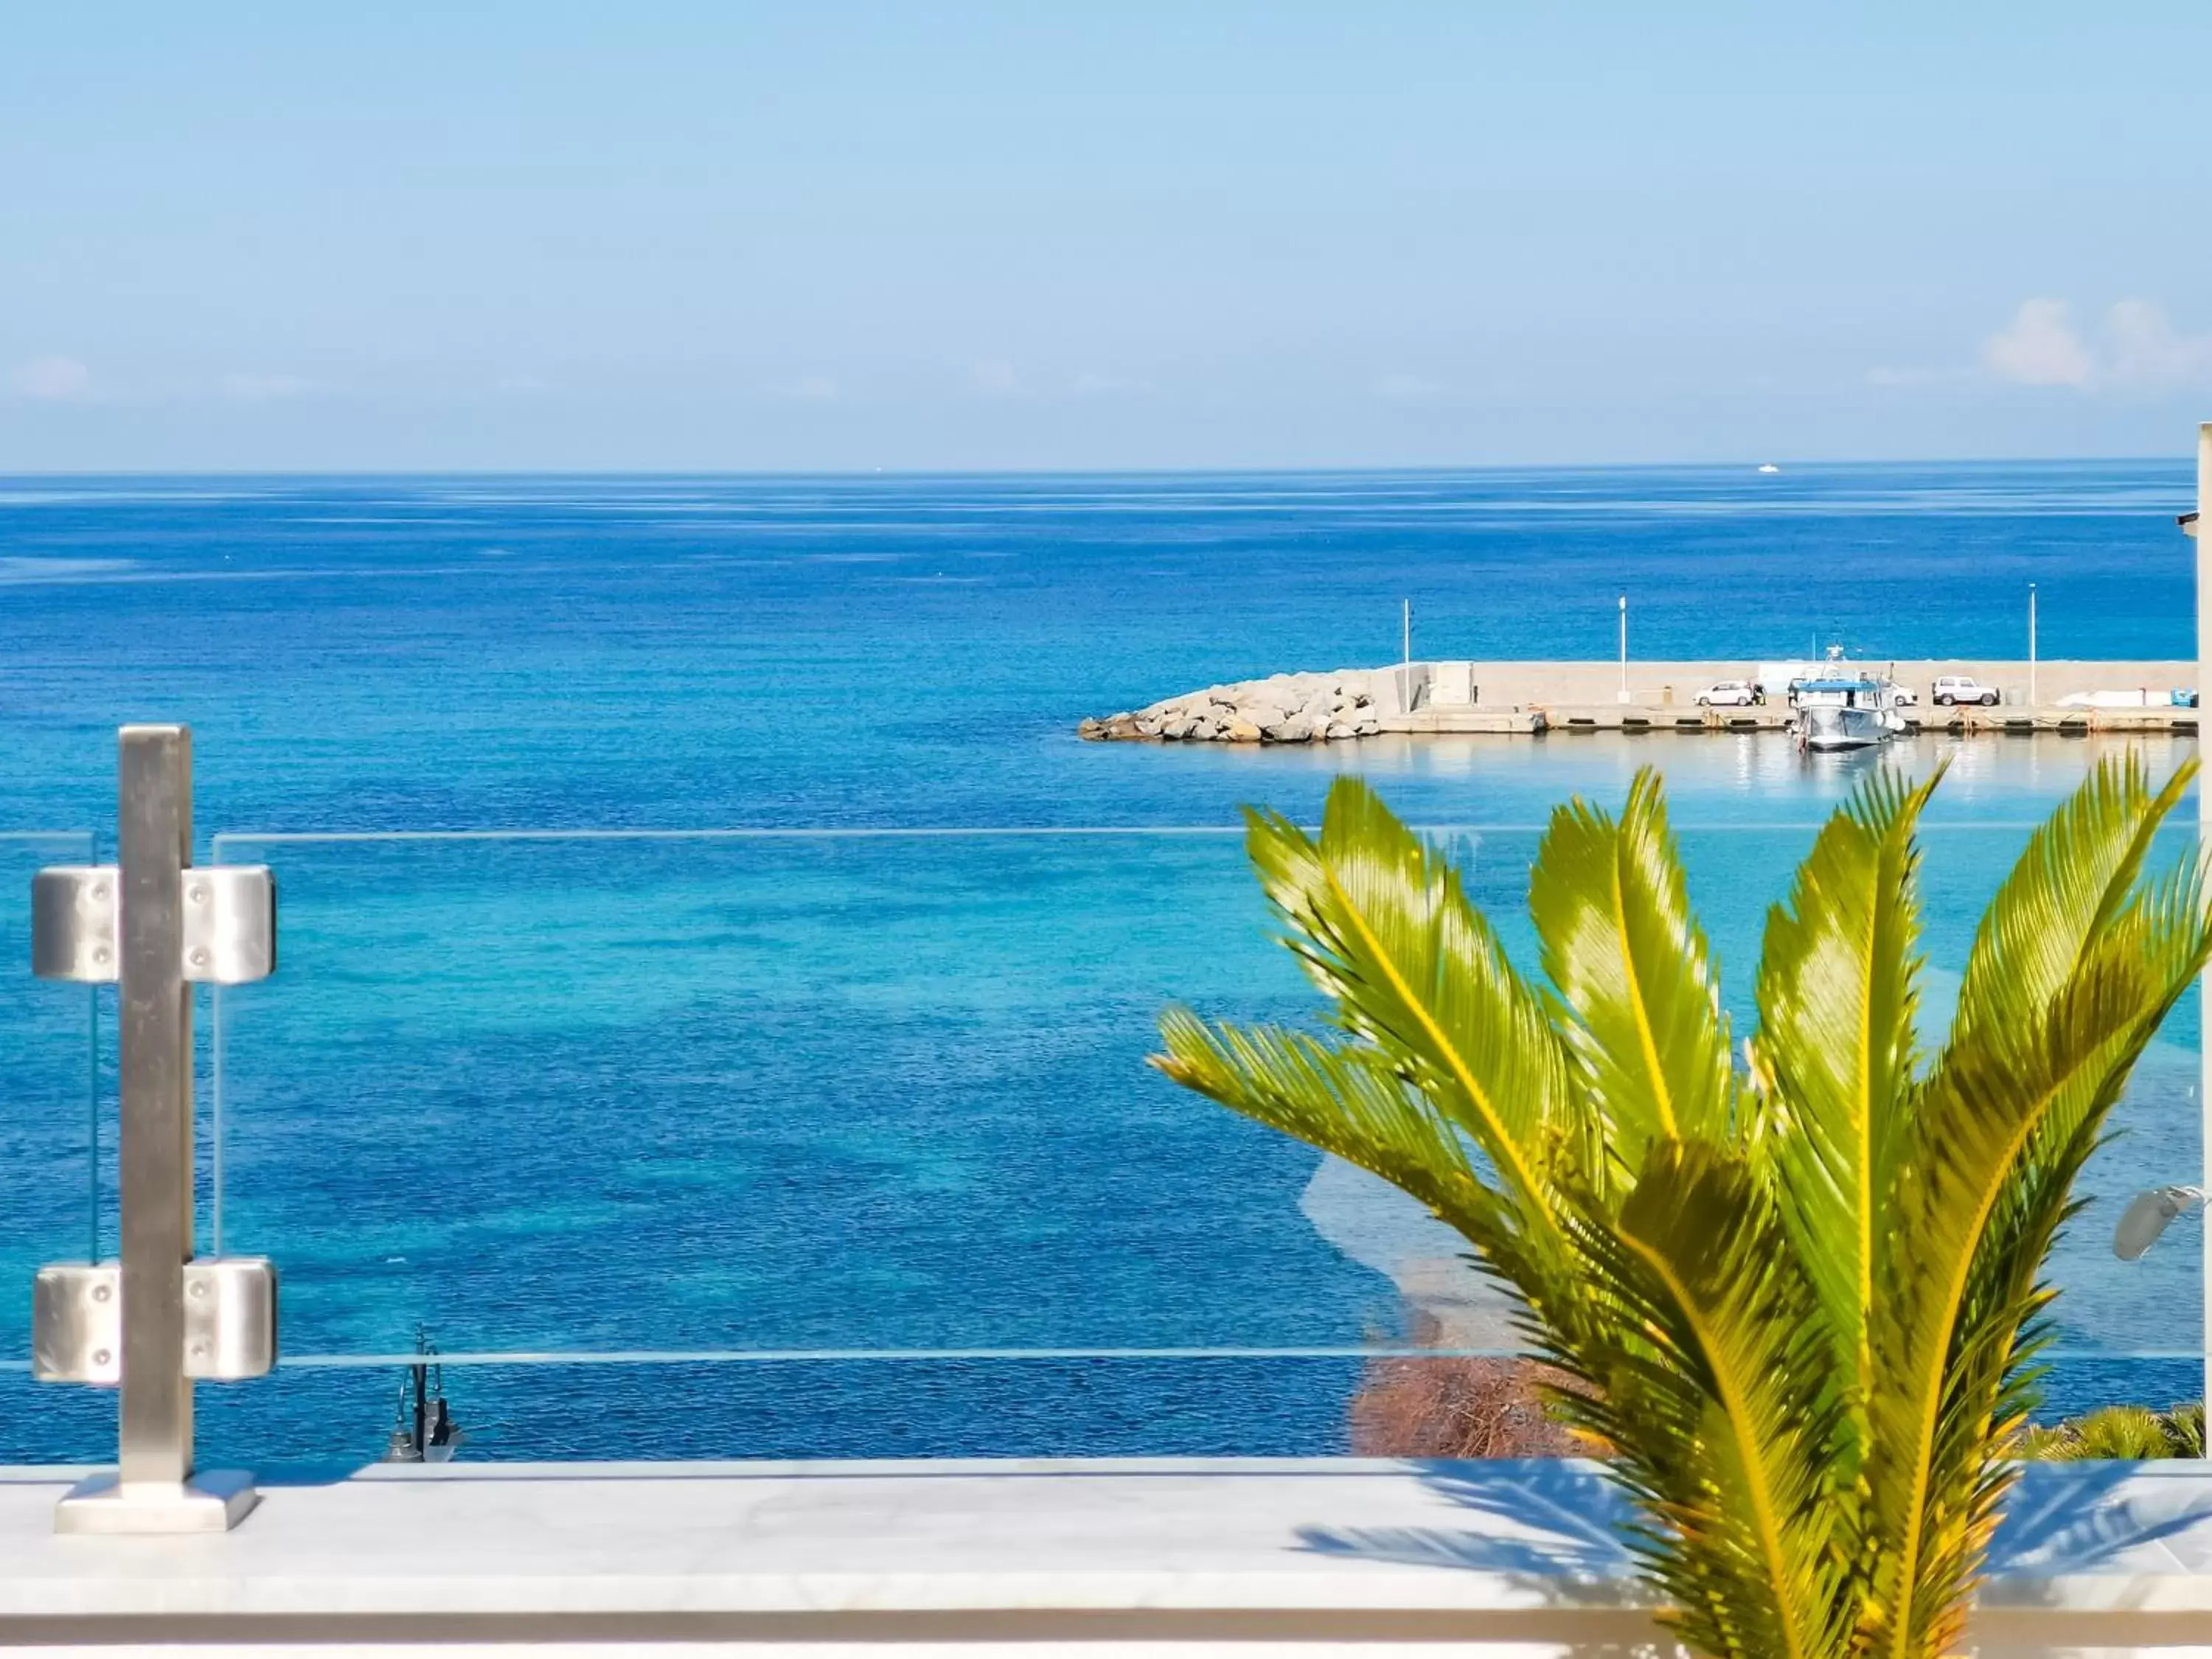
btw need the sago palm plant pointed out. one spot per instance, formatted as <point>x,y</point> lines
<point>1800,1296</point>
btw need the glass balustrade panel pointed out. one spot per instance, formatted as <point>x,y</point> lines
<point>822,1143</point>
<point>57,1174</point>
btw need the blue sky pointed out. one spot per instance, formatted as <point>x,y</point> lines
<point>829,235</point>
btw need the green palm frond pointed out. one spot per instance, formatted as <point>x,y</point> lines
<point>1384,927</point>
<point>1631,964</point>
<point>2012,1109</point>
<point>1344,1101</point>
<point>2122,1431</point>
<point>1804,1305</point>
<point>1838,997</point>
<point>2037,1444</point>
<point>2079,867</point>
<point>2115,1433</point>
<point>1718,1402</point>
<point>2186,1430</point>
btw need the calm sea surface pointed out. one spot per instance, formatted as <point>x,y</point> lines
<point>717,1094</point>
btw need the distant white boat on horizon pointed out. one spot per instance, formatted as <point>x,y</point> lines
<point>1769,466</point>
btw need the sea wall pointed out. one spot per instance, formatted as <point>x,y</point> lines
<point>1459,696</point>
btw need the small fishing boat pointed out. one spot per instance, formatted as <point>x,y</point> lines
<point>425,1431</point>
<point>1836,714</point>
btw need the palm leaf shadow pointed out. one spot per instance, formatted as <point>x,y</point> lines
<point>1566,1525</point>
<point>2082,1516</point>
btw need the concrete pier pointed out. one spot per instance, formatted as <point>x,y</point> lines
<point>1635,719</point>
<point>1528,698</point>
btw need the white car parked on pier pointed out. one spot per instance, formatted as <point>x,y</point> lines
<point>1732,694</point>
<point>1963,688</point>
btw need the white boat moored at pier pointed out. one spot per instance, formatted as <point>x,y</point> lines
<point>1835,714</point>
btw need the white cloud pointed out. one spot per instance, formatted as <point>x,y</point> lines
<point>995,377</point>
<point>52,380</point>
<point>2135,346</point>
<point>2146,351</point>
<point>261,388</point>
<point>2039,347</point>
<point>815,389</point>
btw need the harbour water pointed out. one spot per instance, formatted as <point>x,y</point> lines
<point>878,1098</point>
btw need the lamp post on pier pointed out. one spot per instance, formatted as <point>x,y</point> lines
<point>2031,645</point>
<point>1624,647</point>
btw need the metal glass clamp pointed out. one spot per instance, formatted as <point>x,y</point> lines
<point>230,1320</point>
<point>229,931</point>
<point>153,1323</point>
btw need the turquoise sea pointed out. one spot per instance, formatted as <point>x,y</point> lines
<point>708,952</point>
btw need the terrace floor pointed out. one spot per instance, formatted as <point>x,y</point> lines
<point>1139,1556</point>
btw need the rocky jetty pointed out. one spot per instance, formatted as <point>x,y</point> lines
<point>1281,708</point>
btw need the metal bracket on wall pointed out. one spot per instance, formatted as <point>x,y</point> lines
<point>155,1321</point>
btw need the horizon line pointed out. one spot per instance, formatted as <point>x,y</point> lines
<point>1433,470</point>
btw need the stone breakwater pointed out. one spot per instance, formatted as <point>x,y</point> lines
<point>1281,708</point>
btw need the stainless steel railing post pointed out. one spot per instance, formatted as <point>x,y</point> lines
<point>154,839</point>
<point>157,1320</point>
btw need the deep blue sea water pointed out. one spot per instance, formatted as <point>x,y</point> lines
<point>570,1094</point>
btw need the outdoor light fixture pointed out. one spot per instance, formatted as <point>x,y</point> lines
<point>2148,1215</point>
